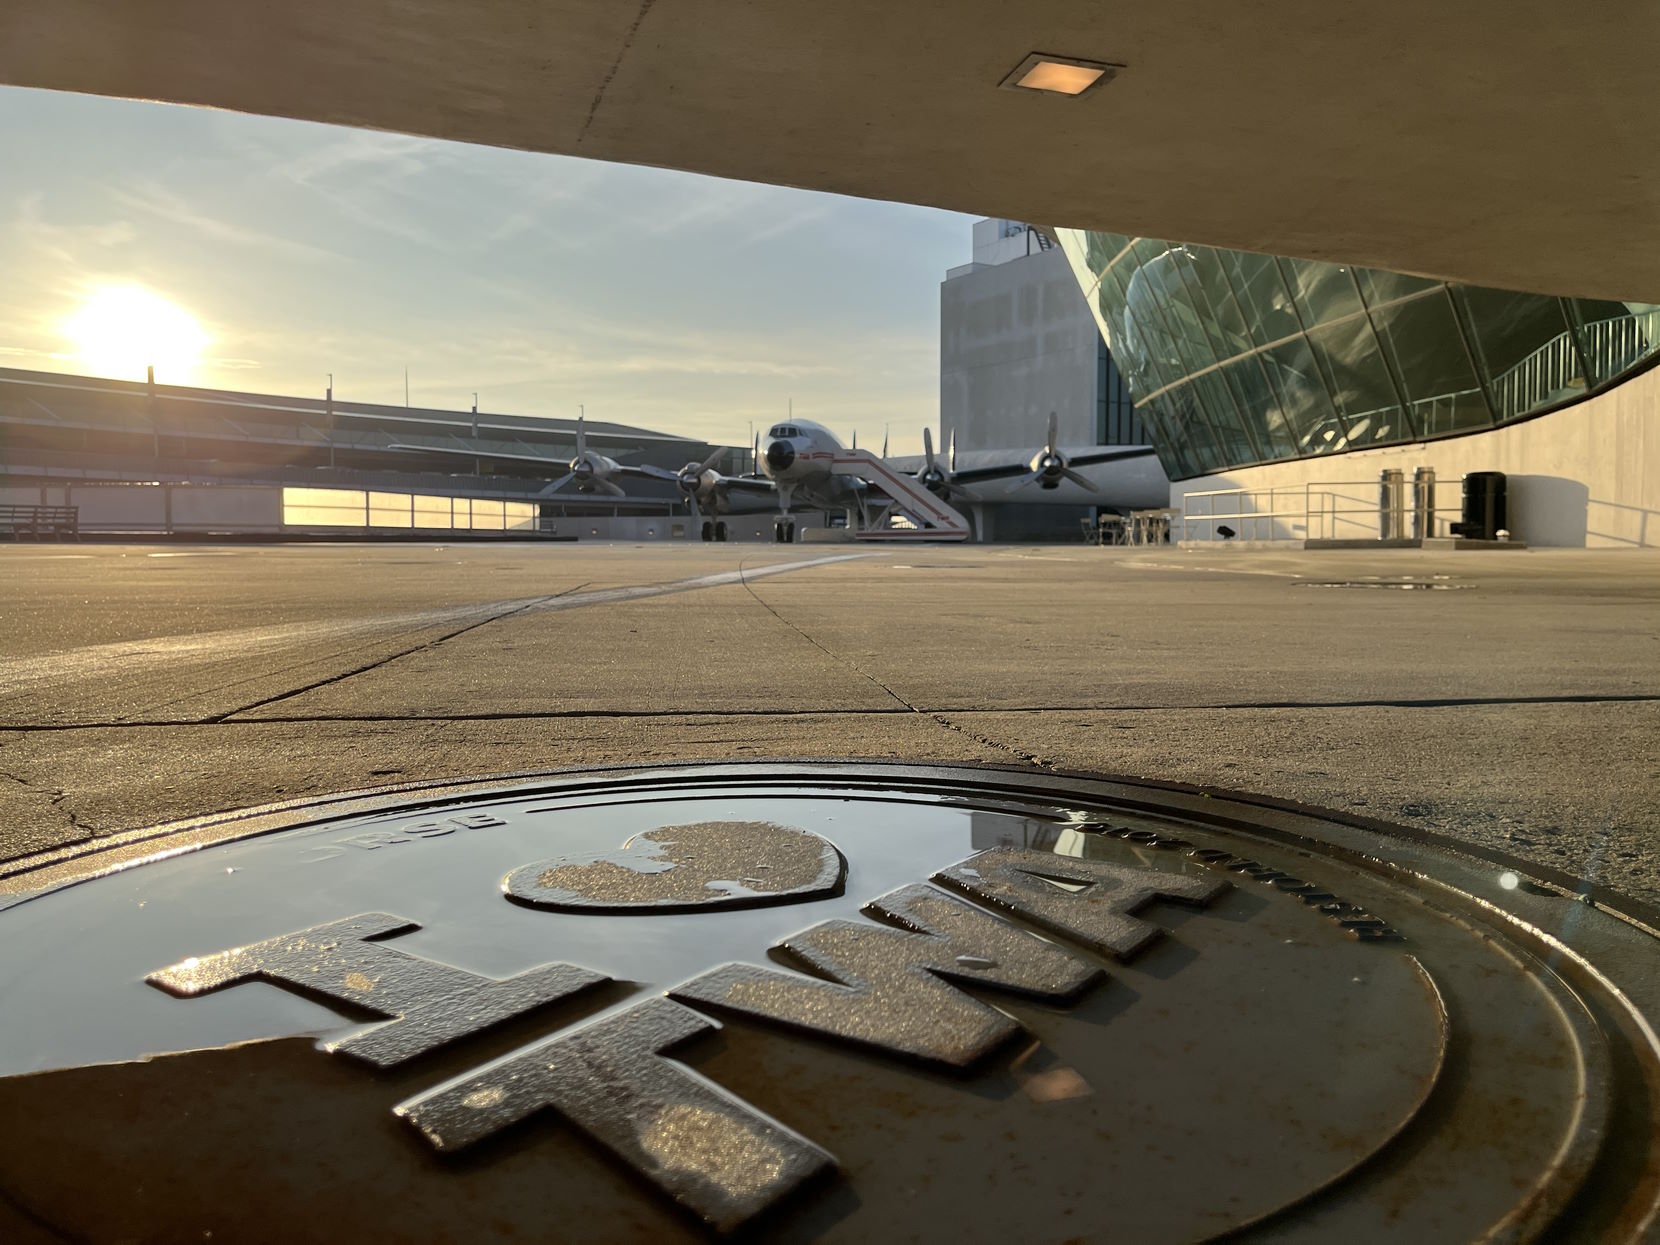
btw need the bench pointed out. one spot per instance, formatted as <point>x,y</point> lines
<point>37,522</point>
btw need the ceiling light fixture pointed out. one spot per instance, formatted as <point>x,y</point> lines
<point>1058,75</point>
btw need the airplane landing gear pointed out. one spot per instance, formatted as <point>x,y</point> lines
<point>720,530</point>
<point>709,530</point>
<point>783,531</point>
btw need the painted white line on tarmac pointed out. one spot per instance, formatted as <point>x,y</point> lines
<point>605,596</point>
<point>128,657</point>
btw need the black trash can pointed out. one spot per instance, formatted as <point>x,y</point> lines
<point>1484,506</point>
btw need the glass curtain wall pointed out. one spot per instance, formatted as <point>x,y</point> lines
<point>1234,358</point>
<point>1116,422</point>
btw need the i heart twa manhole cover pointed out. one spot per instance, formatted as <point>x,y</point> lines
<point>816,1001</point>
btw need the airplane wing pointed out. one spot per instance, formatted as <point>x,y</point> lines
<point>1004,471</point>
<point>557,464</point>
<point>1111,456</point>
<point>748,484</point>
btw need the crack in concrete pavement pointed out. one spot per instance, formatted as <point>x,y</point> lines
<point>901,706</point>
<point>20,674</point>
<point>566,599</point>
<point>938,718</point>
<point>1031,758</point>
<point>56,798</point>
<point>387,660</point>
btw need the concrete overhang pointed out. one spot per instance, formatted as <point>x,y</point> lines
<point>1499,144</point>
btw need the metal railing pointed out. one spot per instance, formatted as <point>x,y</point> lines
<point>1252,514</point>
<point>37,522</point>
<point>1354,509</point>
<point>1550,371</point>
<point>1612,346</point>
<point>1557,370</point>
<point>1342,510</point>
<point>1319,510</point>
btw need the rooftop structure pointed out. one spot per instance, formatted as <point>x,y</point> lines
<point>1454,140</point>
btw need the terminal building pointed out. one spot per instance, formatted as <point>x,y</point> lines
<point>1278,391</point>
<point>151,459</point>
<point>1017,343</point>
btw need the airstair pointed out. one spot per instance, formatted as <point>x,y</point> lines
<point>910,511</point>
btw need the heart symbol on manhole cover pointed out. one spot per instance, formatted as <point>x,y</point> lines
<point>707,864</point>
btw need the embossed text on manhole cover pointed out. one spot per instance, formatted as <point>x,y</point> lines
<point>839,1004</point>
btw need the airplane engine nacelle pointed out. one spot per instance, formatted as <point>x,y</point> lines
<point>588,469</point>
<point>1052,468</point>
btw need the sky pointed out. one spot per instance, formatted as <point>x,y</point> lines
<point>286,251</point>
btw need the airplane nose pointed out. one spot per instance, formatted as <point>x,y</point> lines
<point>780,454</point>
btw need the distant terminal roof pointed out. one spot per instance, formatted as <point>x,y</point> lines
<point>88,423</point>
<point>80,397</point>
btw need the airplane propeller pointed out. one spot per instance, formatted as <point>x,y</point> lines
<point>692,481</point>
<point>590,471</point>
<point>1049,466</point>
<point>931,477</point>
<point>583,468</point>
<point>941,481</point>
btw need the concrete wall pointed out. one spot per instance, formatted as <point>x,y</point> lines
<point>1016,341</point>
<point>1586,476</point>
<point>159,508</point>
<point>206,509</point>
<point>224,509</point>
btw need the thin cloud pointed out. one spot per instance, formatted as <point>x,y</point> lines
<point>360,152</point>
<point>790,222</point>
<point>62,243</point>
<point>164,205</point>
<point>363,176</point>
<point>658,299</point>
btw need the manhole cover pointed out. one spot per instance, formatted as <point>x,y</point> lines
<point>815,1001</point>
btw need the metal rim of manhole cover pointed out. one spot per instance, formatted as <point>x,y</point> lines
<point>816,1001</point>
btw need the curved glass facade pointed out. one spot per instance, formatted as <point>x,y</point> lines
<point>1235,358</point>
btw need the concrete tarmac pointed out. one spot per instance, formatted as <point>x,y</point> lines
<point>1510,699</point>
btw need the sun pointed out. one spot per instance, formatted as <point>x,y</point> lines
<point>120,330</point>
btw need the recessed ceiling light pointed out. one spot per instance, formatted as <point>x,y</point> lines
<point>1058,75</point>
